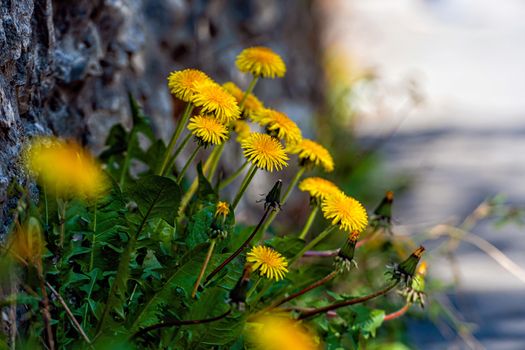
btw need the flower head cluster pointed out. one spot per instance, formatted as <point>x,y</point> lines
<point>208,130</point>
<point>318,188</point>
<point>264,151</point>
<point>261,62</point>
<point>311,153</point>
<point>270,263</point>
<point>345,211</point>
<point>183,83</point>
<point>65,168</point>
<point>279,332</point>
<point>251,107</point>
<point>214,99</point>
<point>279,125</point>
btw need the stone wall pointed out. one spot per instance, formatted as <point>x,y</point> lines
<point>66,66</point>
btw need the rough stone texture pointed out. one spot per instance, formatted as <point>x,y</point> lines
<point>66,66</point>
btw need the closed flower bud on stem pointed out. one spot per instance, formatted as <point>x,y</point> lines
<point>415,292</point>
<point>345,258</point>
<point>382,217</point>
<point>273,199</point>
<point>405,271</point>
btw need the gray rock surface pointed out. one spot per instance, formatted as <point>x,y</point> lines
<point>66,66</point>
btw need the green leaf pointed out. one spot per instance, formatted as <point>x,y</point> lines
<point>367,321</point>
<point>199,226</point>
<point>205,191</point>
<point>156,197</point>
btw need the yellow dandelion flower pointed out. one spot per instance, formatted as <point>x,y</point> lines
<point>252,105</point>
<point>242,129</point>
<point>223,208</point>
<point>261,62</point>
<point>318,187</point>
<point>264,151</point>
<point>280,126</point>
<point>65,168</point>
<point>345,211</point>
<point>183,83</point>
<point>279,332</point>
<point>208,130</point>
<point>270,263</point>
<point>214,99</point>
<point>311,153</point>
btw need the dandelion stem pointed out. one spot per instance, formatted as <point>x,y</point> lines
<point>314,312</point>
<point>397,314</point>
<point>253,288</point>
<point>174,138</point>
<point>127,160</point>
<point>248,91</point>
<point>247,179</point>
<point>309,222</point>
<point>176,323</point>
<point>93,240</point>
<point>188,162</point>
<point>313,243</point>
<point>63,207</point>
<point>220,149</point>
<point>314,285</point>
<point>241,248</point>
<point>46,207</point>
<point>178,150</point>
<point>233,176</point>
<point>203,268</point>
<point>287,193</point>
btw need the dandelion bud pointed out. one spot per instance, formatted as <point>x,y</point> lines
<point>345,258</point>
<point>405,271</point>
<point>415,292</point>
<point>383,213</point>
<point>273,199</point>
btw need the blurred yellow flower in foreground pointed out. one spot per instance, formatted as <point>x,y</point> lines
<point>27,243</point>
<point>65,168</point>
<point>261,62</point>
<point>280,333</point>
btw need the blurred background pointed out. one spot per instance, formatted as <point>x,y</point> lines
<point>422,97</point>
<point>446,107</point>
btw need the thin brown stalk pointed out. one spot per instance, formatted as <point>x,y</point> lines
<point>314,312</point>
<point>69,313</point>
<point>397,314</point>
<point>177,323</point>
<point>241,248</point>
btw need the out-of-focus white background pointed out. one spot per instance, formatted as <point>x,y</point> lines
<point>465,142</point>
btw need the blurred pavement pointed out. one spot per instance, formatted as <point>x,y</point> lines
<point>466,142</point>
